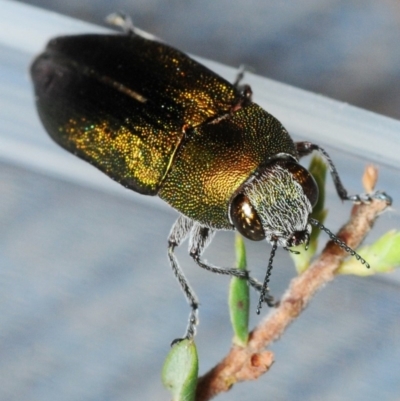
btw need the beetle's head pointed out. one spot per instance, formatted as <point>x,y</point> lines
<point>275,204</point>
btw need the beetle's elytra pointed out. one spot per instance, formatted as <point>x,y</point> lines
<point>160,123</point>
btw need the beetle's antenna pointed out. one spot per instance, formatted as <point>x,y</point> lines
<point>264,288</point>
<point>339,242</point>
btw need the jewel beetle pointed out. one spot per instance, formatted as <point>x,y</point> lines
<point>160,123</point>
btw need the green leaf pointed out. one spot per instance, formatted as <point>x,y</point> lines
<point>383,256</point>
<point>239,301</point>
<point>318,169</point>
<point>180,371</point>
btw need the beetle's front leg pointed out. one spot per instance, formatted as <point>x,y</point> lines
<point>305,148</point>
<point>200,238</point>
<point>179,232</point>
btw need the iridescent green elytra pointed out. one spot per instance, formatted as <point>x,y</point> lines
<point>160,123</point>
<point>144,114</point>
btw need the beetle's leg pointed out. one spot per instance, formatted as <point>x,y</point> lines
<point>244,90</point>
<point>123,21</point>
<point>200,238</point>
<point>179,232</point>
<point>239,76</point>
<point>305,148</point>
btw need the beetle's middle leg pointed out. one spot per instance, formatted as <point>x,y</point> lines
<point>179,232</point>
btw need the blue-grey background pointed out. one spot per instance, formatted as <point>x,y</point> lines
<point>88,304</point>
<point>346,49</point>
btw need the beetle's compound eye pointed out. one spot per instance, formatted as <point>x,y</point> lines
<point>306,180</point>
<point>245,218</point>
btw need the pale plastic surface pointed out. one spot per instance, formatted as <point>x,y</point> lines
<point>88,304</point>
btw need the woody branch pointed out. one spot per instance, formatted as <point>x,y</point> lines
<point>250,362</point>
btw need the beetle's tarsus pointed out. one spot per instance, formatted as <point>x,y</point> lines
<point>367,198</point>
<point>121,20</point>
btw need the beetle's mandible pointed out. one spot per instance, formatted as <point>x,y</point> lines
<point>160,123</point>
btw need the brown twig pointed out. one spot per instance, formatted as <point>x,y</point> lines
<point>252,361</point>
